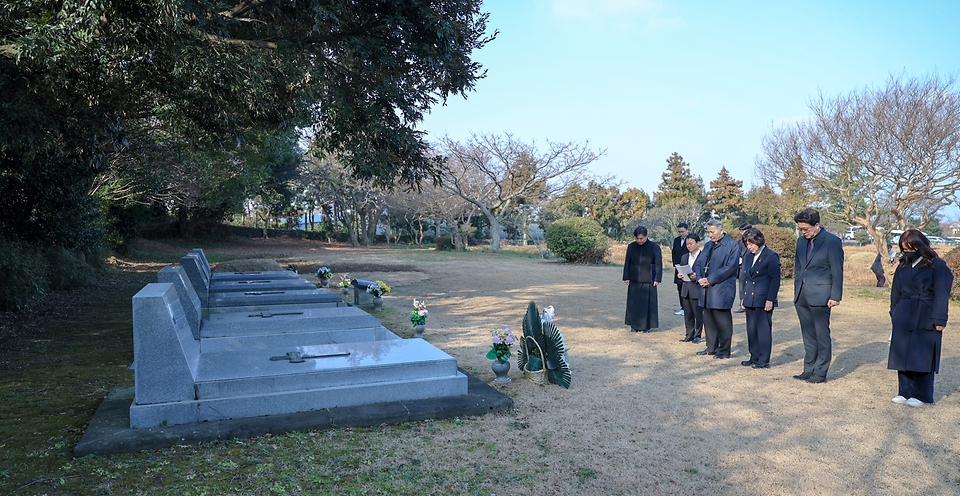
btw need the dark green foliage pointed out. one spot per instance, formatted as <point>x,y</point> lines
<point>22,283</point>
<point>783,241</point>
<point>558,372</point>
<point>577,239</point>
<point>30,270</point>
<point>136,88</point>
<point>66,269</point>
<point>531,330</point>
<point>607,205</point>
<point>531,322</point>
<point>543,338</point>
<point>443,243</point>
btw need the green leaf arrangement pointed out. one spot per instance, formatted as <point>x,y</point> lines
<point>551,341</point>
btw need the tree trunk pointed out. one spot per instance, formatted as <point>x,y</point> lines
<point>494,233</point>
<point>372,222</point>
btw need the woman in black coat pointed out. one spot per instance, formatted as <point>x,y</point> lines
<point>642,272</point>
<point>919,300</point>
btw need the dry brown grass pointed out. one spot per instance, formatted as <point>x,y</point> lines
<point>645,415</point>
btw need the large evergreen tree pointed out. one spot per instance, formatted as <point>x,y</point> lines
<point>678,186</point>
<point>726,196</point>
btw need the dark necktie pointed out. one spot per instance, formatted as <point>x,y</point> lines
<point>809,249</point>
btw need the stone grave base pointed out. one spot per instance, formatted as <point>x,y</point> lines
<point>109,431</point>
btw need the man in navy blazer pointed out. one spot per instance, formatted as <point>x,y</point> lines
<point>716,269</point>
<point>818,287</point>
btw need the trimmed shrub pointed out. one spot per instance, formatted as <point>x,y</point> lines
<point>952,258</point>
<point>444,243</point>
<point>577,239</point>
<point>783,241</point>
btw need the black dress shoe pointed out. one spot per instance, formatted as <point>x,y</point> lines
<point>686,340</point>
<point>696,340</point>
<point>718,356</point>
<point>761,365</point>
<point>804,376</point>
<point>739,310</point>
<point>816,379</point>
<point>747,363</point>
<point>706,352</point>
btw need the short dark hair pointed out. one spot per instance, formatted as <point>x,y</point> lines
<point>753,235</point>
<point>694,236</point>
<point>808,216</point>
<point>683,225</point>
<point>745,226</point>
<point>639,230</point>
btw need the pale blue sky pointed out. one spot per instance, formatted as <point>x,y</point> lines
<point>646,78</point>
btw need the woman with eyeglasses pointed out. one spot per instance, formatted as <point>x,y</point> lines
<point>919,301</point>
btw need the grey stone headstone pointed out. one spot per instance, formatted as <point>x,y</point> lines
<point>186,294</point>
<point>164,350</point>
<point>204,264</point>
<point>191,265</point>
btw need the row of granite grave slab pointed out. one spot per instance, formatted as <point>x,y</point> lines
<point>213,346</point>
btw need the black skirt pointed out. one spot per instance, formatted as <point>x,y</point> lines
<point>642,306</point>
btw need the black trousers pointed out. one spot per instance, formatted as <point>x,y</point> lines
<point>718,329</point>
<point>917,385</point>
<point>815,330</point>
<point>759,334</point>
<point>692,317</point>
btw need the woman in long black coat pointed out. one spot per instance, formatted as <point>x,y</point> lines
<point>642,272</point>
<point>919,301</point>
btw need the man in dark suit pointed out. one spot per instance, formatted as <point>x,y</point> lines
<point>690,293</point>
<point>716,270</point>
<point>818,287</point>
<point>679,250</point>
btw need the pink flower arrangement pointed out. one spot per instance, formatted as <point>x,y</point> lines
<point>501,342</point>
<point>419,314</point>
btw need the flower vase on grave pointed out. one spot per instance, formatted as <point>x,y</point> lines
<point>344,290</point>
<point>377,304</point>
<point>418,330</point>
<point>500,369</point>
<point>324,282</point>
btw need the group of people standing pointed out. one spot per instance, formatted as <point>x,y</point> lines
<point>708,276</point>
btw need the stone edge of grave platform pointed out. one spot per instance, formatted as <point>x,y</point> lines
<point>109,430</point>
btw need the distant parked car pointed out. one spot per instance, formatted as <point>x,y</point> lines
<point>937,240</point>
